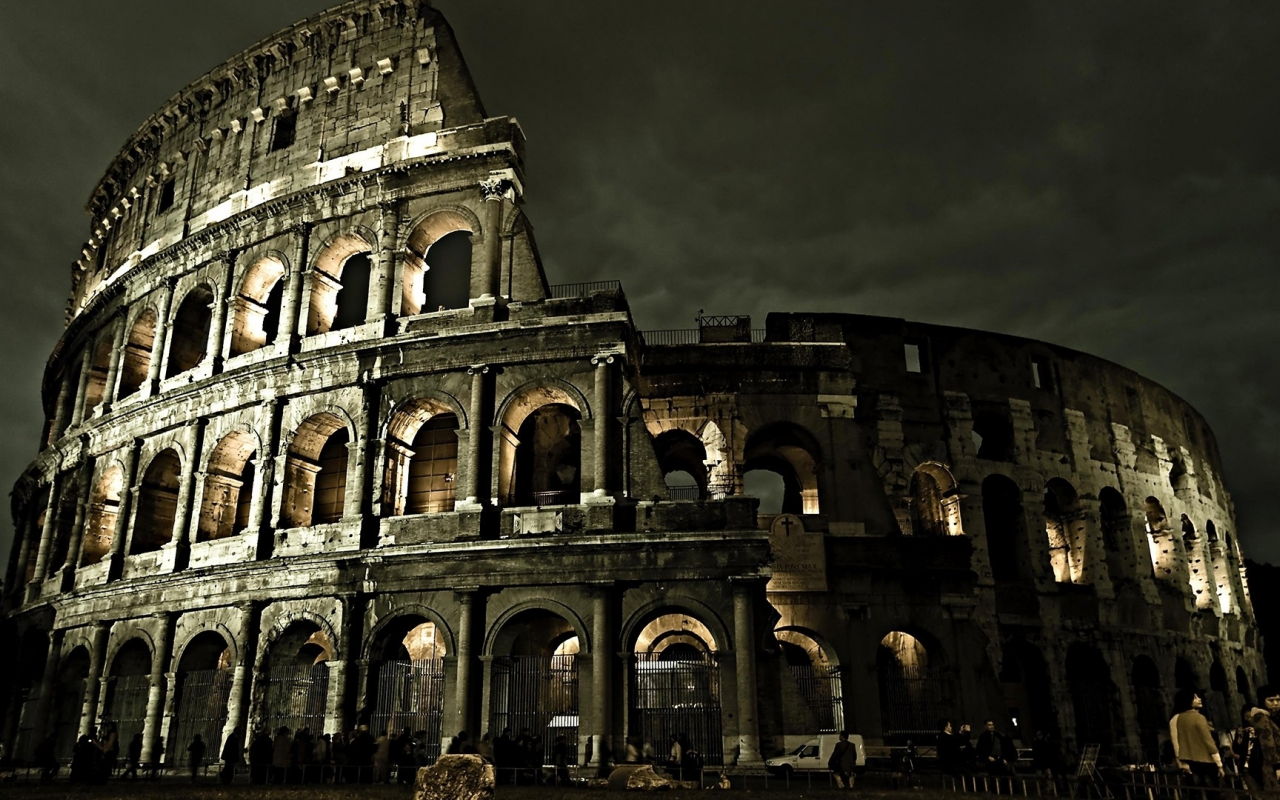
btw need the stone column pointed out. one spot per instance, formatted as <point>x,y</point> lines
<point>113,366</point>
<point>218,328</point>
<point>600,425</point>
<point>158,345</point>
<point>18,584</point>
<point>182,523</point>
<point>466,626</point>
<point>745,660</point>
<point>46,533</point>
<point>383,279</point>
<point>486,274</point>
<point>62,408</point>
<point>291,315</point>
<point>475,436</point>
<point>82,386</point>
<point>238,699</point>
<point>342,672</point>
<point>44,705</point>
<point>76,544</point>
<point>128,496</point>
<point>602,649</point>
<point>362,450</point>
<point>157,693</point>
<point>93,684</point>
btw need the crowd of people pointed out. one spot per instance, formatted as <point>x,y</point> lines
<point>357,756</point>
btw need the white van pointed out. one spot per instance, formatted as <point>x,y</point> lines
<point>813,755</point>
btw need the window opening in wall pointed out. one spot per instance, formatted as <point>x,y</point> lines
<point>353,297</point>
<point>285,133</point>
<point>137,353</point>
<point>256,320</point>
<point>548,457</point>
<point>912,353</point>
<point>682,458</point>
<point>993,432</point>
<point>167,192</point>
<point>446,281</point>
<point>766,486</point>
<point>1005,524</point>
<point>433,467</point>
<point>331,480</point>
<point>791,452</point>
<point>1036,378</point>
<point>190,335</point>
<point>157,503</point>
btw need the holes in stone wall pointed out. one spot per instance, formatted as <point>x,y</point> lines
<point>792,453</point>
<point>228,487</point>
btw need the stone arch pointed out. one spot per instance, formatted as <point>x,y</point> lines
<point>157,503</point>
<point>95,388</point>
<point>203,675</point>
<point>316,470</point>
<point>135,361</point>
<point>228,485</point>
<point>64,524</point>
<point>388,619</point>
<point>406,676</point>
<point>1005,524</point>
<point>128,683</point>
<point>329,308</point>
<point>682,453</point>
<point>1067,532</point>
<point>679,604</point>
<point>790,451</point>
<point>1024,674</point>
<point>540,604</point>
<point>935,501</point>
<point>1148,698</point>
<point>293,660</point>
<point>104,509</point>
<point>912,684</point>
<point>816,671</point>
<point>220,629</point>
<point>257,304</point>
<point>1093,695</point>
<point>300,616</point>
<point>188,336</point>
<point>69,694</point>
<point>540,444</point>
<point>421,457</point>
<point>434,226</point>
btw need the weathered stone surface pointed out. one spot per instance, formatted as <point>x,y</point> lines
<point>455,778</point>
<point>638,777</point>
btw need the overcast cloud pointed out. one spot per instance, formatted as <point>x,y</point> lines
<point>1102,176</point>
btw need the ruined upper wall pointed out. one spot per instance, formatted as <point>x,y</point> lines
<point>358,87</point>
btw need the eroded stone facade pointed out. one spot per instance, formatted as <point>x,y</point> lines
<point>320,430</point>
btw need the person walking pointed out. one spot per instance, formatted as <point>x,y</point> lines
<point>675,758</point>
<point>232,756</point>
<point>843,761</point>
<point>951,750</point>
<point>1265,718</point>
<point>560,759</point>
<point>195,756</point>
<point>1195,744</point>
<point>281,755</point>
<point>382,758</point>
<point>261,751</point>
<point>133,758</point>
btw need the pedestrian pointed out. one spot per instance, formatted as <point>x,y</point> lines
<point>232,756</point>
<point>484,747</point>
<point>1195,745</point>
<point>382,758</point>
<point>261,751</point>
<point>560,759</point>
<point>950,750</point>
<point>281,755</point>
<point>47,759</point>
<point>195,756</point>
<point>133,758</point>
<point>1265,718</point>
<point>110,746</point>
<point>402,752</point>
<point>996,752</point>
<point>84,760</point>
<point>675,757</point>
<point>843,761</point>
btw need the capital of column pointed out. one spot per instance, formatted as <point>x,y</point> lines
<point>478,369</point>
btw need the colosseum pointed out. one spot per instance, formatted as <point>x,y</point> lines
<point>325,449</point>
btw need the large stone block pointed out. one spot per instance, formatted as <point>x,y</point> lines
<point>460,777</point>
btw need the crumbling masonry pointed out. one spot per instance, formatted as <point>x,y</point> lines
<point>325,449</point>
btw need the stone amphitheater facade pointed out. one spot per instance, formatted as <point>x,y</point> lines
<point>324,448</point>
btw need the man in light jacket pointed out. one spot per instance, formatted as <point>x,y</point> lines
<point>1196,746</point>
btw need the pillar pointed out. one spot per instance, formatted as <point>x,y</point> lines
<point>362,453</point>
<point>62,408</point>
<point>463,716</point>
<point>93,685</point>
<point>82,386</point>
<point>76,544</point>
<point>238,698</point>
<point>158,690</point>
<point>128,497</point>
<point>218,329</point>
<point>602,649</point>
<point>182,523</point>
<point>159,345</point>
<point>383,280</point>
<point>46,533</point>
<point>342,672</point>
<point>486,274</point>
<point>475,435</point>
<point>113,366</point>
<point>600,425</point>
<point>44,704</point>
<point>745,660</point>
<point>18,583</point>
<point>291,310</point>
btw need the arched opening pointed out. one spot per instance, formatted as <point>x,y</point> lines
<point>203,688</point>
<point>104,508</point>
<point>1116,533</point>
<point>1221,569</point>
<point>129,683</point>
<point>1159,539</point>
<point>135,362</point>
<point>912,696</point>
<point>406,672</point>
<point>817,676</point>
<point>157,504</point>
<point>682,457</point>
<point>675,687</point>
<point>534,692</point>
<point>437,265</point>
<point>1005,524</point>
<point>791,452</point>
<point>1027,693</point>
<point>33,651</point>
<point>316,472</point>
<point>935,502</point>
<point>993,432</point>
<point>64,526</point>
<point>1149,699</point>
<point>1092,696</point>
<point>228,487</point>
<point>1216,700</point>
<point>768,487</point>
<point>69,695</point>
<point>256,320</point>
<point>296,688</point>
<point>422,459</point>
<point>549,457</point>
<point>340,286</point>
<point>189,337</point>
<point>1065,527</point>
<point>95,387</point>
<point>1185,676</point>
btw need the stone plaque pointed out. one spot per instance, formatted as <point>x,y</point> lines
<point>531,522</point>
<point>799,557</point>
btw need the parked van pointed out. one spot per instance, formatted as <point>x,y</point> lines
<point>813,755</point>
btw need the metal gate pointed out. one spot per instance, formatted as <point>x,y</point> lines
<point>202,708</point>
<point>411,695</point>
<point>911,700</point>
<point>681,698</point>
<point>1092,701</point>
<point>1151,720</point>
<point>295,698</point>
<point>126,706</point>
<point>824,695</point>
<point>70,704</point>
<point>537,693</point>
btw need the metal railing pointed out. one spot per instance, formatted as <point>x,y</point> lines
<point>684,336</point>
<point>561,291</point>
<point>684,492</point>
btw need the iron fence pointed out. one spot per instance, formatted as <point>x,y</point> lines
<point>560,291</point>
<point>411,695</point>
<point>681,698</point>
<point>126,706</point>
<point>295,698</point>
<point>822,692</point>
<point>201,709</point>
<point>538,694</point>
<point>911,701</point>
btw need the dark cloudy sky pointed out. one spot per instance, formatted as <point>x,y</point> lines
<point>1102,176</point>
